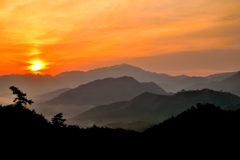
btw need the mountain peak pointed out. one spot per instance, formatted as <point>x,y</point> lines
<point>205,90</point>
<point>123,64</point>
<point>107,90</point>
<point>112,79</point>
<point>155,108</point>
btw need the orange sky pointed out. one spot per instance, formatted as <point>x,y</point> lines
<point>197,37</point>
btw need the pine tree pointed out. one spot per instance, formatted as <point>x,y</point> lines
<point>21,99</point>
<point>58,120</point>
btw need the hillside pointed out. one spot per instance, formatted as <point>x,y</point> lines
<point>149,107</point>
<point>41,84</point>
<point>135,126</point>
<point>106,91</point>
<point>135,72</point>
<point>203,123</point>
<point>98,92</point>
<point>116,71</point>
<point>220,76</point>
<point>199,82</point>
<point>230,84</point>
<point>51,95</point>
<point>26,127</point>
<point>182,84</point>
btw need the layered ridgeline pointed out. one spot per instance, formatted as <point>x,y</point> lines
<point>51,95</point>
<point>215,81</point>
<point>205,124</point>
<point>98,92</point>
<point>230,84</point>
<point>154,108</point>
<point>40,84</point>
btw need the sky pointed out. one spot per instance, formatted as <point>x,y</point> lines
<point>192,37</point>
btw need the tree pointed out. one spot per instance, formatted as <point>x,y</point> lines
<point>58,121</point>
<point>21,99</point>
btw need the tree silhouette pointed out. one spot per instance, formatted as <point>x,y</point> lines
<point>21,99</point>
<point>58,121</point>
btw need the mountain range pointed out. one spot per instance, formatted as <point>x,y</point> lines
<point>230,84</point>
<point>51,95</point>
<point>203,124</point>
<point>105,91</point>
<point>122,95</point>
<point>41,84</point>
<point>99,92</point>
<point>154,108</point>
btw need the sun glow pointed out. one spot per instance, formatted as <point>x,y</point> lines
<point>65,35</point>
<point>37,66</point>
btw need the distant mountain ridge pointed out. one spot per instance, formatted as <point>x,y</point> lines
<point>230,84</point>
<point>220,76</point>
<point>98,92</point>
<point>40,84</point>
<point>117,71</point>
<point>51,95</point>
<point>107,90</point>
<point>149,107</point>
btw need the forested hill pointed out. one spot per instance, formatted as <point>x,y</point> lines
<point>19,124</point>
<point>205,122</point>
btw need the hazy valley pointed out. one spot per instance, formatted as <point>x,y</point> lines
<point>123,95</point>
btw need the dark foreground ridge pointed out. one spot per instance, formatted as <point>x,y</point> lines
<point>203,124</point>
<point>205,121</point>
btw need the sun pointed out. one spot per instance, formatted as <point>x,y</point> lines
<point>36,65</point>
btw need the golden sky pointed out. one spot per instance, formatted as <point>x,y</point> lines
<point>194,37</point>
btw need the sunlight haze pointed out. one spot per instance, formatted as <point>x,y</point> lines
<point>176,37</point>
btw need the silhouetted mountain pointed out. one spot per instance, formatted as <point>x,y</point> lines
<point>135,72</point>
<point>233,107</point>
<point>71,79</point>
<point>98,92</point>
<point>187,82</point>
<point>64,76</point>
<point>18,118</point>
<point>40,84</point>
<point>190,81</point>
<point>230,84</point>
<point>19,125</point>
<point>136,126</point>
<point>180,85</point>
<point>220,76</point>
<point>106,91</point>
<point>51,95</point>
<point>149,107</point>
<point>116,72</point>
<point>204,123</point>
<point>22,125</point>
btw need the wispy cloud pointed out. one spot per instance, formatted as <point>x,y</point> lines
<point>54,31</point>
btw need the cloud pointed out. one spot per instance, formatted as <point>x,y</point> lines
<point>196,63</point>
<point>68,29</point>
